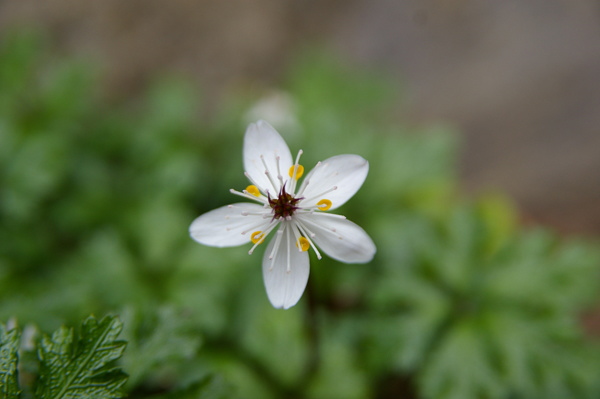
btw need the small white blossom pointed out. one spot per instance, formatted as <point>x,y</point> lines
<point>279,108</point>
<point>294,212</point>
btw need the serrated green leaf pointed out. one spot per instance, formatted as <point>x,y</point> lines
<point>79,367</point>
<point>9,358</point>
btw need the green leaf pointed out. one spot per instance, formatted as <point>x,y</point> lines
<point>155,343</point>
<point>338,363</point>
<point>9,346</point>
<point>81,366</point>
<point>461,368</point>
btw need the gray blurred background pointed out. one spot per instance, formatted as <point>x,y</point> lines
<point>519,78</point>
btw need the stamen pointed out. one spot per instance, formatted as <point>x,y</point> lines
<point>258,237</point>
<point>228,217</point>
<point>247,195</point>
<point>306,233</point>
<point>262,158</point>
<point>254,227</point>
<point>276,246</point>
<point>296,232</point>
<point>253,248</point>
<point>330,215</point>
<point>264,214</point>
<point>303,186</point>
<point>299,238</point>
<point>261,239</point>
<point>303,229</point>
<point>315,224</point>
<point>324,204</point>
<point>252,181</point>
<point>302,244</point>
<point>320,195</point>
<point>252,189</point>
<point>296,171</point>
<point>307,180</point>
<point>279,176</point>
<point>289,253</point>
<point>298,156</point>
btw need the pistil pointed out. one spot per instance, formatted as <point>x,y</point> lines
<point>284,205</point>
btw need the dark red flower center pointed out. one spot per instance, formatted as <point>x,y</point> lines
<point>284,205</point>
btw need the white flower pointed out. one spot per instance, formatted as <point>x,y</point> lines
<point>279,108</point>
<point>295,213</point>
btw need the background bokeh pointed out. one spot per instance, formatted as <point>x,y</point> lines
<point>122,121</point>
<point>519,78</point>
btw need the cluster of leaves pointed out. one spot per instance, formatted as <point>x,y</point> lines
<point>482,315</point>
<point>67,365</point>
<point>95,202</point>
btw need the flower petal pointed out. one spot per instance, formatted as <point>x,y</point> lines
<point>346,172</point>
<point>286,274</point>
<point>223,227</point>
<point>340,238</point>
<point>262,139</point>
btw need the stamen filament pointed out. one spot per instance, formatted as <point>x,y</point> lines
<point>262,158</point>
<point>254,246</point>
<point>299,237</point>
<point>289,254</point>
<point>254,182</point>
<point>264,214</point>
<point>265,234</point>
<point>312,223</point>
<point>295,176</point>
<point>279,176</point>
<point>245,194</point>
<point>296,232</point>
<point>298,156</point>
<point>255,227</point>
<point>331,215</point>
<point>304,231</point>
<point>276,246</point>
<point>320,195</point>
<point>303,186</point>
<point>307,179</point>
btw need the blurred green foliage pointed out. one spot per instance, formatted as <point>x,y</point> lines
<point>95,203</point>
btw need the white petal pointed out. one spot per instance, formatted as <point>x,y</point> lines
<point>340,238</point>
<point>285,287</point>
<point>346,172</point>
<point>262,139</point>
<point>223,227</point>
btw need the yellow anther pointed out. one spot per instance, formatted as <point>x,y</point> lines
<point>299,171</point>
<point>302,244</point>
<point>257,237</point>
<point>324,204</point>
<point>252,189</point>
